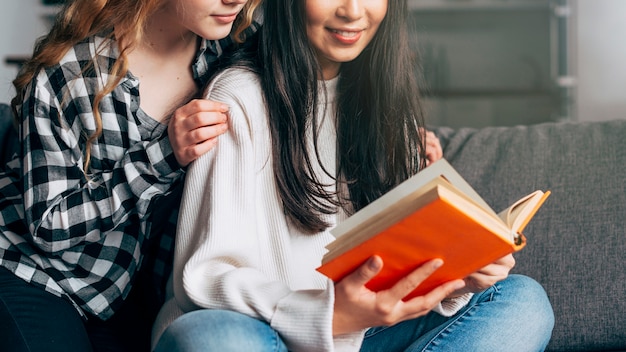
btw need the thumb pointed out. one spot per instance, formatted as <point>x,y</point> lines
<point>365,272</point>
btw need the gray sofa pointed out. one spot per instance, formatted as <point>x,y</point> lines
<point>577,241</point>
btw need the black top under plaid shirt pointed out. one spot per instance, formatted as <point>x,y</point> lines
<point>84,237</point>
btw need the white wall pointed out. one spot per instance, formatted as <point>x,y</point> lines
<point>601,56</point>
<point>21,22</point>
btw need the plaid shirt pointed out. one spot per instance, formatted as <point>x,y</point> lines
<point>85,237</point>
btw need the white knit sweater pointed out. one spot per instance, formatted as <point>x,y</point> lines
<point>235,250</point>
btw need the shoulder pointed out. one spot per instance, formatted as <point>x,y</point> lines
<point>240,89</point>
<point>234,78</point>
<point>99,51</point>
<point>85,61</point>
<point>67,87</point>
<point>239,86</point>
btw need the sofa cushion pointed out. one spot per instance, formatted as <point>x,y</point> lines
<point>577,241</point>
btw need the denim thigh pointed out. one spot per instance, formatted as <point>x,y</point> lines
<point>514,315</point>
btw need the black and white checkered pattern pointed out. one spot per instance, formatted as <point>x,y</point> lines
<point>84,236</point>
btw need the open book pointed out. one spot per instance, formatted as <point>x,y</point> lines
<point>433,214</point>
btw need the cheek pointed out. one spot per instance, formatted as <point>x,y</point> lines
<point>377,11</point>
<point>379,16</point>
<point>317,12</point>
<point>314,28</point>
<point>375,23</point>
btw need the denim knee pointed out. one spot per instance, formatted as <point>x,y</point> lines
<point>219,330</point>
<point>529,302</point>
<point>531,297</point>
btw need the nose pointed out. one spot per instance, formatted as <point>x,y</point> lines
<point>351,9</point>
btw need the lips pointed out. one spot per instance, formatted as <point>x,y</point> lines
<point>346,36</point>
<point>226,18</point>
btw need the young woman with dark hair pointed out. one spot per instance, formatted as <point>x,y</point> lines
<point>324,119</point>
<point>107,123</point>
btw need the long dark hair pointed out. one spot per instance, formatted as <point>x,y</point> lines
<point>378,113</point>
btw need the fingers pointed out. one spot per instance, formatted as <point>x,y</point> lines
<point>357,307</point>
<point>194,127</point>
<point>199,113</point>
<point>407,284</point>
<point>421,305</point>
<point>500,267</point>
<point>489,275</point>
<point>507,260</point>
<point>365,272</point>
<point>202,105</point>
<point>192,152</point>
<point>354,302</point>
<point>417,306</point>
<point>402,288</point>
<point>434,151</point>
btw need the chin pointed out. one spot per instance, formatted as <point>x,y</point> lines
<point>344,59</point>
<point>216,33</point>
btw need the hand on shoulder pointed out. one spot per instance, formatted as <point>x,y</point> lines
<point>194,128</point>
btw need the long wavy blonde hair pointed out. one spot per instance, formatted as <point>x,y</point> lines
<point>80,19</point>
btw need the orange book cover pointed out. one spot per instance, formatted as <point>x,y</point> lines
<point>435,220</point>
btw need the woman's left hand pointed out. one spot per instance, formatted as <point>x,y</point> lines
<point>434,151</point>
<point>487,276</point>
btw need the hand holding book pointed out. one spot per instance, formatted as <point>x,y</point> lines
<point>356,307</point>
<point>434,214</point>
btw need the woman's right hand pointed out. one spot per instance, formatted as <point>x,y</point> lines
<point>357,307</point>
<point>194,127</point>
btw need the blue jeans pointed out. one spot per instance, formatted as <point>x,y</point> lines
<point>513,315</point>
<point>220,331</point>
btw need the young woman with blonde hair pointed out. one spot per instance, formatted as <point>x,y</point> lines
<point>108,121</point>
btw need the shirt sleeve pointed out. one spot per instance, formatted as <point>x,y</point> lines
<point>65,205</point>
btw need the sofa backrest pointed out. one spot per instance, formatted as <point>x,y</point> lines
<point>577,241</point>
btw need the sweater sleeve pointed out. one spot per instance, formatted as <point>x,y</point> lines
<point>234,247</point>
<point>449,307</point>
